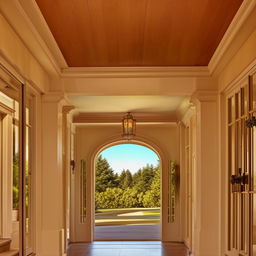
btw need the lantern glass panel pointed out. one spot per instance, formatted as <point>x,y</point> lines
<point>128,126</point>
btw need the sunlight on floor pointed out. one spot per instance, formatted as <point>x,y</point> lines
<point>126,248</point>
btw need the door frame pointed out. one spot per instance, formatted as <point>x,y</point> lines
<point>22,89</point>
<point>5,171</point>
<point>134,142</point>
<point>84,232</point>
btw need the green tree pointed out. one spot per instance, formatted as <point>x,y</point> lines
<point>143,178</point>
<point>125,179</point>
<point>140,197</point>
<point>109,199</point>
<point>105,177</point>
<point>15,188</point>
<point>121,178</point>
<point>126,190</point>
<point>129,198</point>
<point>152,196</point>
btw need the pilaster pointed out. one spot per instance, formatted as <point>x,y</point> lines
<point>181,128</point>
<point>52,175</point>
<point>206,187</point>
<point>66,133</point>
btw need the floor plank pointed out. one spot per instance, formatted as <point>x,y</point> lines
<point>127,248</point>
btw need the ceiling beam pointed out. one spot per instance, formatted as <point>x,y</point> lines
<point>129,86</point>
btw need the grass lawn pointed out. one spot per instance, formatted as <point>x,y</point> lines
<point>127,216</point>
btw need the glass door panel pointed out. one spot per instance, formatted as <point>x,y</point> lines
<point>16,181</point>
<point>10,162</point>
<point>17,166</point>
<point>239,148</point>
<point>28,187</point>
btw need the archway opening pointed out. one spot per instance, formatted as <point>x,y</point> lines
<point>127,193</point>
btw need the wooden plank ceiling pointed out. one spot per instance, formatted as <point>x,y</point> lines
<point>118,33</point>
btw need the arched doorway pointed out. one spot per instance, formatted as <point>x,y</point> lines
<point>89,141</point>
<point>127,193</point>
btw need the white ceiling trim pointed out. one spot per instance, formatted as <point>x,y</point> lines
<point>41,35</point>
<point>111,72</point>
<point>29,34</point>
<point>241,16</point>
<point>42,31</point>
<point>37,19</point>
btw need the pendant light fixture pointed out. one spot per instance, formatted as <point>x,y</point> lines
<point>129,126</point>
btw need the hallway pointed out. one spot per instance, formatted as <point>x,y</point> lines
<point>174,77</point>
<point>126,248</point>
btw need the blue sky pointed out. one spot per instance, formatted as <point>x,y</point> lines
<point>129,156</point>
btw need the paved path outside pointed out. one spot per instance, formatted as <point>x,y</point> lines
<point>126,248</point>
<point>127,232</point>
<point>127,216</point>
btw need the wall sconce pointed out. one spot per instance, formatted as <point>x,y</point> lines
<point>129,126</point>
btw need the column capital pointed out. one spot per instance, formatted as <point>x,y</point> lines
<point>67,108</point>
<point>188,114</point>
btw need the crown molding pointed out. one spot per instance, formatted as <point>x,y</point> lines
<point>241,78</point>
<point>241,16</point>
<point>44,48</point>
<point>48,41</point>
<point>43,36</point>
<point>117,117</point>
<point>30,32</point>
<point>117,72</point>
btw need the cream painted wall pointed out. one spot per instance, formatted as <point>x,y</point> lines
<point>17,59</point>
<point>243,57</point>
<point>15,53</point>
<point>90,139</point>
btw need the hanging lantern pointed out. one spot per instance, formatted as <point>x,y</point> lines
<point>129,126</point>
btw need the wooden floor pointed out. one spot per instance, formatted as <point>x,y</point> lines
<point>127,233</point>
<point>127,248</point>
